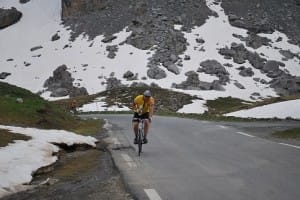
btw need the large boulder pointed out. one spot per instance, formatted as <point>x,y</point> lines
<point>9,17</point>
<point>61,84</point>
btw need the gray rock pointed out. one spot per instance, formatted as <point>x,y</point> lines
<point>55,37</point>
<point>139,84</point>
<point>24,1</point>
<point>3,75</point>
<point>112,51</point>
<point>19,100</point>
<point>263,81</point>
<point>216,85</point>
<point>193,83</point>
<point>173,58</point>
<point>238,85</point>
<point>156,73</point>
<point>108,38</point>
<point>256,79</point>
<point>9,17</point>
<point>129,75</point>
<point>36,48</point>
<point>172,68</point>
<point>213,67</point>
<point>187,57</point>
<point>287,54</point>
<point>255,60</point>
<point>255,94</point>
<point>113,82</point>
<point>60,92</point>
<point>286,85</point>
<point>247,72</point>
<point>27,64</point>
<point>200,40</point>
<point>254,41</point>
<point>271,68</point>
<point>61,84</point>
<point>75,91</point>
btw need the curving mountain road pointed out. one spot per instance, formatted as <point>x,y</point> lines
<point>191,159</point>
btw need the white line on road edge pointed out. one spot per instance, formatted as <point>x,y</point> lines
<point>128,160</point>
<point>152,194</point>
<point>245,134</point>
<point>297,147</point>
<point>222,126</point>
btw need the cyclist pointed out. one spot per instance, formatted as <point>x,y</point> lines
<point>143,107</point>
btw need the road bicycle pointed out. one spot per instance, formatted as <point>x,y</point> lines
<point>140,135</point>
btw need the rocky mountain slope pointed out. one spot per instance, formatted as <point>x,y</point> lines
<point>178,56</point>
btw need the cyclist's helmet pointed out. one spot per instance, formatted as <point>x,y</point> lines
<point>147,93</point>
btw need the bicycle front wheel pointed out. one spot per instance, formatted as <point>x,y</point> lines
<point>140,142</point>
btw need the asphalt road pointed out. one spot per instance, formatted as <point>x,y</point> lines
<point>191,159</point>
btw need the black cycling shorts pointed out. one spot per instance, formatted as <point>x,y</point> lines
<point>136,116</point>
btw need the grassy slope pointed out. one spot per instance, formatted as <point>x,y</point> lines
<point>36,112</point>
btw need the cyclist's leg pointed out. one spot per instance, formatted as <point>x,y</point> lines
<point>135,123</point>
<point>146,126</point>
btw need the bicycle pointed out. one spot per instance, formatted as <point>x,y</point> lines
<point>140,135</point>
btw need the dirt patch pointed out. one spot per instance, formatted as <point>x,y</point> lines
<point>89,174</point>
<point>7,137</point>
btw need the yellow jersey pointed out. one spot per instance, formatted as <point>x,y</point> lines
<point>141,104</point>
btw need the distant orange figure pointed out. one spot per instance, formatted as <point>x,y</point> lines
<point>74,106</point>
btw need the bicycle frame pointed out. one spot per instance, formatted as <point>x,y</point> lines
<point>140,135</point>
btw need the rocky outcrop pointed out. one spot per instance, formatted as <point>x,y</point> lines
<point>9,17</point>
<point>61,84</point>
<point>282,82</point>
<point>286,85</point>
<point>254,41</point>
<point>151,24</point>
<point>77,7</point>
<point>193,83</point>
<point>259,16</point>
<point>213,67</point>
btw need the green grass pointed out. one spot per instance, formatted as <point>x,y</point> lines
<point>293,133</point>
<point>225,104</point>
<point>39,113</point>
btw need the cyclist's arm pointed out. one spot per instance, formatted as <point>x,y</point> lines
<point>151,110</point>
<point>133,107</point>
